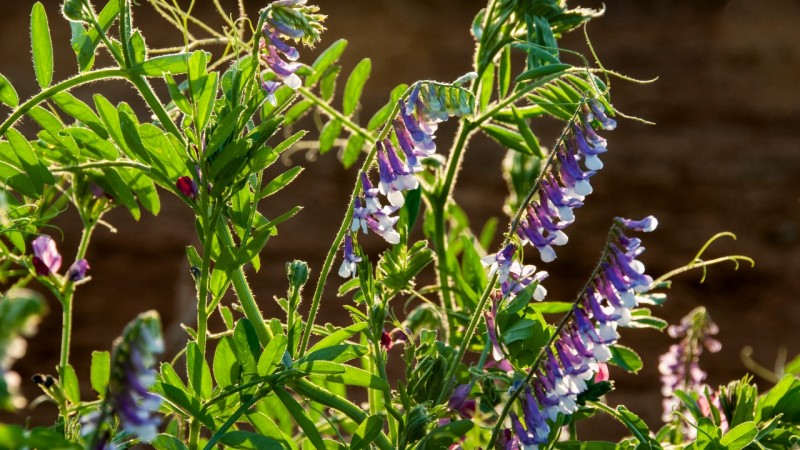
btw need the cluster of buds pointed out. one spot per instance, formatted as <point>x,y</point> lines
<point>567,185</point>
<point>287,21</point>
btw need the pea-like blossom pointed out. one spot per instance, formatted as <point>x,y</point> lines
<point>351,260</point>
<point>77,271</point>
<point>132,374</point>
<point>500,262</point>
<point>46,259</point>
<point>396,176</point>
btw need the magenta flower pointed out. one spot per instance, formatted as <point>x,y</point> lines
<point>46,259</point>
<point>187,186</point>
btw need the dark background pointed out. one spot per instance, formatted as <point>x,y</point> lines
<point>722,157</point>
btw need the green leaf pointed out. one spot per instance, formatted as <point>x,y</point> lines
<point>197,370</point>
<point>354,86</point>
<point>110,117</point>
<point>272,355</point>
<point>527,134</point>
<point>325,60</point>
<point>446,435</point>
<point>740,436</point>
<point>487,86</point>
<point>247,345</point>
<point>80,111</point>
<point>250,440</point>
<point>552,307</point>
<point>506,137</point>
<point>42,46</point>
<point>344,374</point>
<point>299,415</point>
<point>352,150</point>
<point>327,86</point>
<point>542,71</point>
<point>34,168</point>
<point>382,115</point>
<point>625,358</point>
<point>297,111</point>
<point>165,64</point>
<point>366,433</point>
<point>70,384</point>
<point>100,371</point>
<point>338,336</point>
<point>280,182</point>
<point>167,442</point>
<point>504,72</point>
<point>8,94</point>
<point>327,137</point>
<point>264,425</point>
<point>85,42</point>
<point>226,364</point>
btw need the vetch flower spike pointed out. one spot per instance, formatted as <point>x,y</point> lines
<point>46,259</point>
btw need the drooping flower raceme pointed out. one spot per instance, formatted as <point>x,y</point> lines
<point>577,355</point>
<point>680,365</point>
<point>413,127</point>
<point>132,374</point>
<point>567,184</point>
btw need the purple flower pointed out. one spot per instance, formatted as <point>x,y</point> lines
<point>127,396</point>
<point>520,277</point>
<point>500,262</point>
<point>396,176</point>
<point>133,374</point>
<point>598,112</point>
<point>351,260</point>
<point>536,429</point>
<point>46,259</point>
<point>77,271</point>
<point>380,222</point>
<point>187,186</point>
<point>460,401</point>
<point>647,224</point>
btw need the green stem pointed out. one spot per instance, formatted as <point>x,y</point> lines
<point>101,165</point>
<point>317,394</point>
<point>66,298</point>
<point>246,298</point>
<point>149,96</point>
<point>333,113</point>
<point>337,241</point>
<point>69,83</point>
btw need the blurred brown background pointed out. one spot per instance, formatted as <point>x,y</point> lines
<point>722,157</point>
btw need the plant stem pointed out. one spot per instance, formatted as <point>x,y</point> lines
<point>317,394</point>
<point>334,114</point>
<point>337,241</point>
<point>69,83</point>
<point>68,294</point>
<point>246,298</point>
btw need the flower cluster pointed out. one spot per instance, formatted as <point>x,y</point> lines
<point>132,374</point>
<point>287,20</point>
<point>679,366</point>
<point>567,185</point>
<point>428,104</point>
<point>47,260</point>
<point>514,277</point>
<point>576,355</point>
